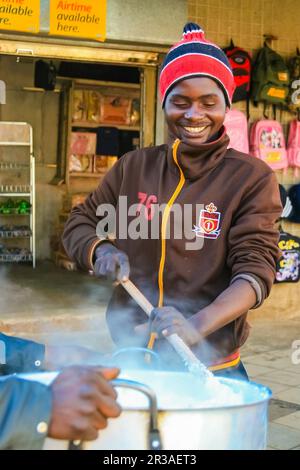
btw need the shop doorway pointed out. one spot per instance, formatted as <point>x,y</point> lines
<point>130,89</point>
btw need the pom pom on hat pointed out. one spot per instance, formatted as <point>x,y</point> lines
<point>195,56</point>
<point>193,32</point>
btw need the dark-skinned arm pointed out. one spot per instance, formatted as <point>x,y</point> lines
<point>233,302</point>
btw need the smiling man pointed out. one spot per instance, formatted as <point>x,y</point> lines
<point>202,294</point>
<point>195,110</point>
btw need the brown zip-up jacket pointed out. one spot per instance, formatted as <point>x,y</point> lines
<point>241,203</point>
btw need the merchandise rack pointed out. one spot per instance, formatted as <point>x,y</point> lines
<point>82,181</point>
<point>19,134</point>
<point>15,233</point>
<point>16,258</point>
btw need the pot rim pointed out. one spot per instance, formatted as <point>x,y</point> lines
<point>263,388</point>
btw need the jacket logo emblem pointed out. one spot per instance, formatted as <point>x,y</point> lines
<point>209,222</point>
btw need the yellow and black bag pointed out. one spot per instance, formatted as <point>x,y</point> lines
<point>270,78</point>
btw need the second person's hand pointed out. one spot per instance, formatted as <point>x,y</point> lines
<point>82,402</point>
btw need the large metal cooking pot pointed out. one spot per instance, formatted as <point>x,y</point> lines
<point>183,417</point>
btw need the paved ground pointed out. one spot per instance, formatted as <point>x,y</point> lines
<point>271,359</point>
<point>54,305</point>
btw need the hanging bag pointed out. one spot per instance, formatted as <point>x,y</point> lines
<point>270,78</point>
<point>236,126</point>
<point>293,147</point>
<point>294,90</point>
<point>267,143</point>
<point>240,62</point>
<point>288,266</point>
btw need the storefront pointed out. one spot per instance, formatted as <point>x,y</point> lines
<point>57,84</point>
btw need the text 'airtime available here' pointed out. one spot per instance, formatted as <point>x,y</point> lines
<point>20,15</point>
<point>83,18</point>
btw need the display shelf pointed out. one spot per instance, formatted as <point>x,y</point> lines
<point>15,214</point>
<point>14,194</point>
<point>14,144</point>
<point>17,258</point>
<point>94,125</point>
<point>88,110</point>
<point>87,83</point>
<point>87,174</point>
<point>17,134</point>
<point>15,234</point>
<point>15,190</point>
<point>13,166</point>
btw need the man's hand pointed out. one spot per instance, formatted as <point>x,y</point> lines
<point>167,321</point>
<point>57,357</point>
<point>83,400</point>
<point>111,262</point>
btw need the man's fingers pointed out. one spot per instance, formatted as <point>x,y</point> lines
<point>152,315</point>
<point>90,434</point>
<point>99,421</point>
<point>110,265</point>
<point>110,373</point>
<point>100,267</point>
<point>106,388</point>
<point>124,269</point>
<point>170,331</point>
<point>95,383</point>
<point>108,406</point>
<point>166,323</point>
<point>112,262</point>
<point>105,265</point>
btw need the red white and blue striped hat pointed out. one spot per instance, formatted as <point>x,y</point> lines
<point>194,56</point>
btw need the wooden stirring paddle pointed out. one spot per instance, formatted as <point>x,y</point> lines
<point>190,360</point>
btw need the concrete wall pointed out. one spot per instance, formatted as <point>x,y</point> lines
<point>154,21</point>
<point>246,21</point>
<point>41,111</point>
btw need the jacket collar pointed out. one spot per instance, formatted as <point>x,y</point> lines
<point>196,161</point>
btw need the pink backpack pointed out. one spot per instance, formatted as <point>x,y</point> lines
<point>267,143</point>
<point>237,130</point>
<point>293,147</point>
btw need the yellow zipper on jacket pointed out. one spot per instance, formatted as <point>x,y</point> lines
<point>164,224</point>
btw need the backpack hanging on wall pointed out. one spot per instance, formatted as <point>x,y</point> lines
<point>240,61</point>
<point>286,202</point>
<point>293,146</point>
<point>288,266</point>
<point>294,90</point>
<point>236,125</point>
<point>270,78</point>
<point>294,196</point>
<point>267,143</point>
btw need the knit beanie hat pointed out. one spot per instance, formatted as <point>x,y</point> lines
<point>194,56</point>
